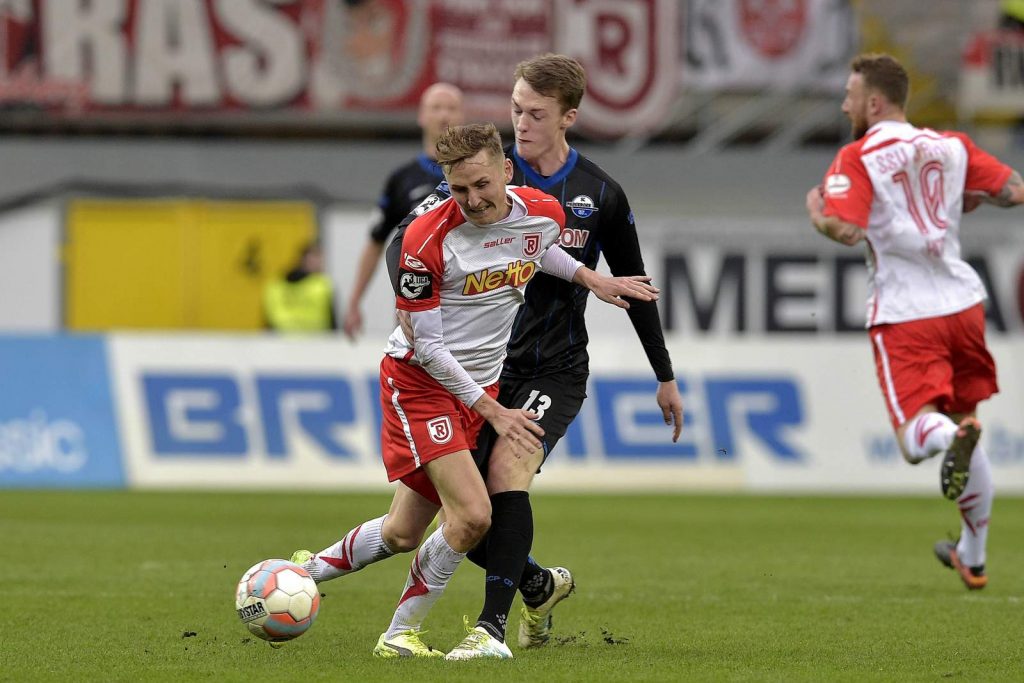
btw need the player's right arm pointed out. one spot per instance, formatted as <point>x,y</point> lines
<point>368,259</point>
<point>840,207</point>
<point>384,220</point>
<point>394,251</point>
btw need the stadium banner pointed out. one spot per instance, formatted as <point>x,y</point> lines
<point>760,44</point>
<point>57,426</point>
<point>762,414</point>
<point>735,277</point>
<point>992,75</point>
<point>302,63</point>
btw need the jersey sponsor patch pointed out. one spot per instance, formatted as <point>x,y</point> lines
<point>414,286</point>
<point>581,206</point>
<point>573,238</point>
<point>531,244</point>
<point>516,274</point>
<point>427,204</point>
<point>440,430</point>
<point>837,184</point>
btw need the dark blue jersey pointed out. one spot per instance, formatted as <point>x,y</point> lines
<point>406,187</point>
<point>550,333</point>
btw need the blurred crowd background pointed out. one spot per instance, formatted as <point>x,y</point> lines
<point>190,116</point>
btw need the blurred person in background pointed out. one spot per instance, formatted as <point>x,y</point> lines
<point>1011,15</point>
<point>303,299</point>
<point>406,187</point>
<point>547,365</point>
<point>902,190</point>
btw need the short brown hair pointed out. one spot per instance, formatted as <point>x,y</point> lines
<point>458,143</point>
<point>557,76</point>
<point>885,74</point>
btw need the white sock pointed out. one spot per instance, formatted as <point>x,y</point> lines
<point>928,434</point>
<point>429,574</point>
<point>362,546</point>
<point>975,507</point>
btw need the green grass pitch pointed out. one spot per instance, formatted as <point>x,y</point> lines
<point>103,586</point>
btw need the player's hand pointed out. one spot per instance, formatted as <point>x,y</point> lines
<point>353,323</point>
<point>671,404</point>
<point>517,426</point>
<point>612,289</point>
<point>815,203</point>
<point>973,199</point>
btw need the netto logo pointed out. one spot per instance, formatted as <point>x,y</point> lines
<point>516,274</point>
<point>581,206</point>
<point>252,612</point>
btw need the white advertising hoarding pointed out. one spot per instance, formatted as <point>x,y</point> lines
<point>762,415</point>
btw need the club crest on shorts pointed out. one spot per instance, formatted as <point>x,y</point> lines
<point>440,429</point>
<point>531,244</point>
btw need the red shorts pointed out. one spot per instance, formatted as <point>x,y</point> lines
<point>935,360</point>
<point>422,422</point>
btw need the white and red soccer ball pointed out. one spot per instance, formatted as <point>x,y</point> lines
<point>277,600</point>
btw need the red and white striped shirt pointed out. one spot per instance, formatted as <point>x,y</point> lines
<point>904,185</point>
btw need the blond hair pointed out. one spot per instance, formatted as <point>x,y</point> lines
<point>459,143</point>
<point>557,76</point>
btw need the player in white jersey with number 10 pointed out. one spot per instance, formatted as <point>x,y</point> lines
<point>902,190</point>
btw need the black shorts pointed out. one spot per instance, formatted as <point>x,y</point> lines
<point>557,398</point>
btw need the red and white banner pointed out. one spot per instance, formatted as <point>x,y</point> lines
<point>630,52</point>
<point>308,62</point>
<point>778,44</point>
<point>992,75</point>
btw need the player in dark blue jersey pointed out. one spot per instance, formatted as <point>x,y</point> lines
<point>547,365</point>
<point>406,187</point>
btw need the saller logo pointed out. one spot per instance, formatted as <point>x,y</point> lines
<point>250,612</point>
<point>516,274</point>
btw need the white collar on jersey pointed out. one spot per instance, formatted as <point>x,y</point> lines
<point>886,123</point>
<point>518,208</point>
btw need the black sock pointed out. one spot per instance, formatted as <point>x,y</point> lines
<point>508,546</point>
<point>478,555</point>
<point>536,584</point>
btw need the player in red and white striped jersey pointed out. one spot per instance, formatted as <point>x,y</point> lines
<point>463,269</point>
<point>902,190</point>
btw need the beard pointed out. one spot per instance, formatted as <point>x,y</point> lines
<point>858,126</point>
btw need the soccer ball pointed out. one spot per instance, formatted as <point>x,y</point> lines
<point>277,600</point>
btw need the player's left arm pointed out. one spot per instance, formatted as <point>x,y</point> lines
<point>1011,194</point>
<point>611,290</point>
<point>621,249</point>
